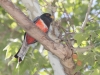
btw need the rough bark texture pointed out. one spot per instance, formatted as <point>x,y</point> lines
<point>62,52</point>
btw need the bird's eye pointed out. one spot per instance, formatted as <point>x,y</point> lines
<point>47,15</point>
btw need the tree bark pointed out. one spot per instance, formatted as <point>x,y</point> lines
<point>61,51</point>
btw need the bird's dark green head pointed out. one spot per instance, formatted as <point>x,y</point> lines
<point>47,18</point>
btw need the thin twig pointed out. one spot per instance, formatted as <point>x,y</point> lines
<point>92,18</point>
<point>68,42</point>
<point>69,19</point>
<point>84,48</point>
<point>87,14</point>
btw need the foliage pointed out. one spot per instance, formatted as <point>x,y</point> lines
<point>35,62</point>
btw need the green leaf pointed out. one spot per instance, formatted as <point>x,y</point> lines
<point>90,58</point>
<point>8,53</point>
<point>96,72</point>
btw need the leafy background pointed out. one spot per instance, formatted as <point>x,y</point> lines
<point>11,35</point>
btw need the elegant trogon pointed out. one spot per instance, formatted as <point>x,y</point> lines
<point>42,22</point>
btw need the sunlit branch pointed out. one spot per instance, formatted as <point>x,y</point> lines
<point>87,48</point>
<point>87,14</point>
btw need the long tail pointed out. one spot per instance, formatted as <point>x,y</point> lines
<point>22,51</point>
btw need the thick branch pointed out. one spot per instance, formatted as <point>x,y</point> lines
<point>56,48</point>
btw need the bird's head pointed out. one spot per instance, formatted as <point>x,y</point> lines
<point>47,18</point>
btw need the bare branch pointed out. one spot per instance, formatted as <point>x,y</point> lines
<point>87,48</point>
<point>87,14</point>
<point>93,18</point>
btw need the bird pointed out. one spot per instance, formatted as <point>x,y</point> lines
<point>43,23</point>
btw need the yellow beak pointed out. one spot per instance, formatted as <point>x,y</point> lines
<point>52,17</point>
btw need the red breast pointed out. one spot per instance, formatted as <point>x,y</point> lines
<point>41,25</point>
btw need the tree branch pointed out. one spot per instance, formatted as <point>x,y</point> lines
<point>87,14</point>
<point>63,52</point>
<point>87,48</point>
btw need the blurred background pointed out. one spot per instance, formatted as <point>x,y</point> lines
<point>36,62</point>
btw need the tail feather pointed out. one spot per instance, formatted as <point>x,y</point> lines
<point>22,51</point>
<point>16,55</point>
